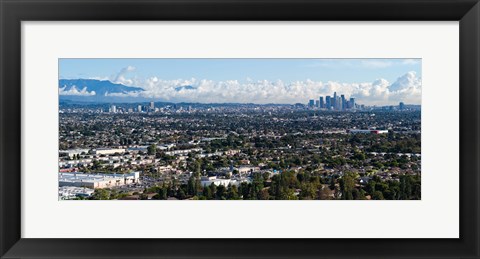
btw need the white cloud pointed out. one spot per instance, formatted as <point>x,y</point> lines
<point>406,81</point>
<point>100,78</point>
<point>408,85</point>
<point>120,77</point>
<point>74,91</point>
<point>406,88</point>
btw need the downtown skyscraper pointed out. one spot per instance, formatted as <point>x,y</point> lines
<point>335,102</point>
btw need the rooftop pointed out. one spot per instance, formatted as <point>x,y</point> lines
<point>82,177</point>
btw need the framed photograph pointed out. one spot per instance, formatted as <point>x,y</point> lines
<point>239,129</point>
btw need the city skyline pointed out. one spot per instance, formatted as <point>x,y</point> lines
<point>336,102</point>
<point>259,81</point>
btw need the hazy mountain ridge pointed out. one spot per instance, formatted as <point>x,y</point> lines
<point>99,86</point>
<point>93,90</point>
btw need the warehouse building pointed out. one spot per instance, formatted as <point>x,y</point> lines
<point>108,151</point>
<point>373,131</point>
<point>97,181</point>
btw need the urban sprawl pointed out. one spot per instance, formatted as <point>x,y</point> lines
<point>326,149</point>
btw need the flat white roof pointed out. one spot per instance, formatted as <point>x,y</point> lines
<point>74,150</point>
<point>91,178</point>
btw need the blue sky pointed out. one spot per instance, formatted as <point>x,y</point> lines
<point>340,70</point>
<point>371,81</point>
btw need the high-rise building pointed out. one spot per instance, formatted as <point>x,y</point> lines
<point>352,103</point>
<point>113,109</point>
<point>152,106</point>
<point>401,106</point>
<point>338,103</point>
<point>328,102</point>
<point>139,108</point>
<point>334,101</point>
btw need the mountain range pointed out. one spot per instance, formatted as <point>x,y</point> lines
<point>92,90</point>
<point>101,91</point>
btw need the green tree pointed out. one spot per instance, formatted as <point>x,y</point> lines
<point>101,194</point>
<point>332,183</point>
<point>308,192</point>
<point>207,193</point>
<point>191,186</point>
<point>347,185</point>
<point>152,149</point>
<point>263,195</point>
<point>288,194</point>
<point>221,192</point>
<point>213,190</point>
<point>181,194</point>
<point>162,193</point>
<point>378,195</point>
<point>233,193</point>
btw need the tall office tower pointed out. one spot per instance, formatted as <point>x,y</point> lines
<point>352,103</point>
<point>152,106</point>
<point>338,103</point>
<point>322,105</point>
<point>317,104</point>
<point>344,103</point>
<point>311,103</point>
<point>113,109</point>
<point>328,102</point>
<point>334,101</point>
<point>139,108</point>
<point>401,106</point>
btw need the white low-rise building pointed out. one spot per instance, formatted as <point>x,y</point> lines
<point>143,149</point>
<point>166,146</point>
<point>72,192</point>
<point>368,131</point>
<point>217,182</point>
<point>248,169</point>
<point>73,152</point>
<point>207,181</point>
<point>183,151</point>
<point>95,181</point>
<point>108,151</point>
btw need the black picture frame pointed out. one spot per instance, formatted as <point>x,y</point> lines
<point>13,12</point>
